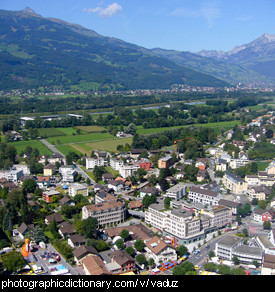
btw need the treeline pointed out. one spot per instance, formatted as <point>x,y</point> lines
<point>92,101</point>
<point>192,147</point>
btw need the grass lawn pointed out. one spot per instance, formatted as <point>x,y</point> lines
<point>262,165</point>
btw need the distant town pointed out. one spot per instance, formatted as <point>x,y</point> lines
<point>188,200</point>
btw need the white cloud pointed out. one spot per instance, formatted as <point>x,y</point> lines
<point>110,10</point>
<point>208,11</point>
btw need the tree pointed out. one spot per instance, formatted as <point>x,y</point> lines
<point>139,245</point>
<point>119,244</point>
<point>130,250</point>
<point>131,129</point>
<point>182,250</point>
<point>29,186</point>
<point>38,234</point>
<point>124,234</point>
<point>151,262</point>
<point>141,259</point>
<point>13,261</point>
<point>88,227</point>
<point>267,225</point>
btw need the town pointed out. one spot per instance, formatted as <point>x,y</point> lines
<point>189,208</point>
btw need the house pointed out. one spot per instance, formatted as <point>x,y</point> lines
<point>261,215</point>
<point>49,170</point>
<point>135,205</point>
<point>82,252</point>
<point>136,152</point>
<point>148,191</point>
<point>159,250</point>
<point>93,265</point>
<point>201,175</point>
<point>43,182</point>
<point>201,163</point>
<point>103,197</point>
<point>135,232</point>
<point>23,229</point>
<point>124,260</point>
<point>54,217</point>
<point>106,177</point>
<point>234,183</point>
<point>66,230</point>
<point>56,157</point>
<point>66,201</point>
<point>76,240</point>
<point>48,195</point>
<point>116,185</point>
<point>221,164</point>
<point>259,193</point>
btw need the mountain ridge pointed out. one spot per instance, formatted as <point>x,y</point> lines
<point>37,51</point>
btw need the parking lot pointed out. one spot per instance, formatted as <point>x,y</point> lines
<point>51,262</point>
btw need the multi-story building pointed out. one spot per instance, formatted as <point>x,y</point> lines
<point>234,183</point>
<point>106,213</point>
<point>92,162</point>
<point>176,192</point>
<point>116,163</point>
<point>128,170</point>
<point>68,173</point>
<point>185,227</point>
<point>165,162</point>
<point>78,189</point>
<point>204,196</point>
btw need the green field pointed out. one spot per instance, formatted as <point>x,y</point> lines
<point>216,126</point>
<point>21,146</point>
<point>81,138</point>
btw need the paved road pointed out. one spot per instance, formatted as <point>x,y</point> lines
<point>79,170</point>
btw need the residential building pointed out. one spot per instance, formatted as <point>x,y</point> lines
<point>93,265</point>
<point>76,240</point>
<point>106,213</point>
<point>268,265</point>
<point>124,260</point>
<point>234,183</point>
<point>48,195</point>
<point>82,252</point>
<point>252,180</point>
<point>68,173</point>
<point>78,189</point>
<point>43,182</point>
<point>261,215</point>
<point>128,170</point>
<point>159,250</point>
<point>231,205</point>
<point>259,193</point>
<point>145,164</point>
<point>116,163</point>
<point>49,170</point>
<point>148,191</point>
<point>221,215</point>
<point>165,162</point>
<point>116,185</point>
<point>176,192</point>
<point>96,161</point>
<point>15,174</point>
<point>221,164</point>
<point>204,196</point>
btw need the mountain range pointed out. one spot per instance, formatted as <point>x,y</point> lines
<point>37,51</point>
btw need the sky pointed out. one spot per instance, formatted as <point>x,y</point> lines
<point>182,25</point>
